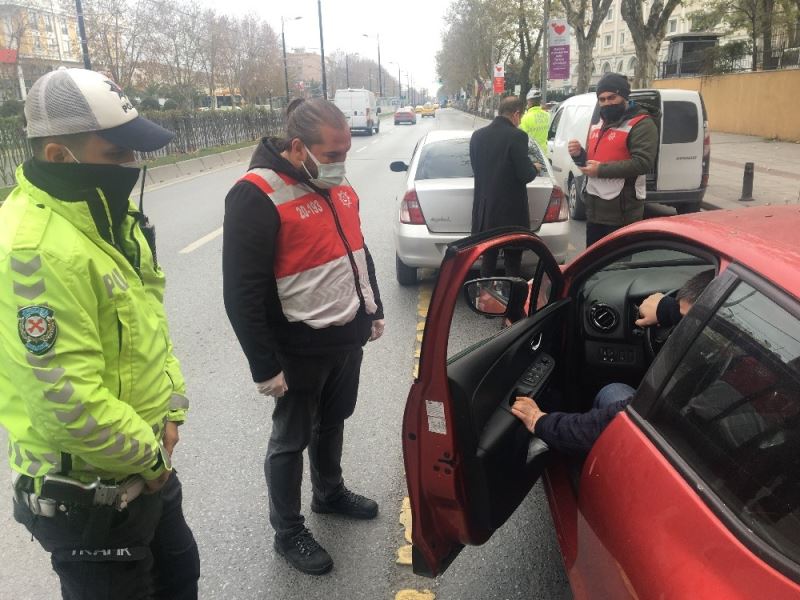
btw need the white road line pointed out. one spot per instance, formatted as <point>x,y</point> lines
<point>373,143</point>
<point>360,149</point>
<point>201,242</point>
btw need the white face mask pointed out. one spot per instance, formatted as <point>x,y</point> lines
<point>329,175</point>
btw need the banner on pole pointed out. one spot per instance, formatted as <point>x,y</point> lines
<point>558,46</point>
<point>499,79</point>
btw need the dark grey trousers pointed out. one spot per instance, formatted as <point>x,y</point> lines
<point>322,394</point>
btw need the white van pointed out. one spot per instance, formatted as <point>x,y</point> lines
<point>684,153</point>
<point>361,109</point>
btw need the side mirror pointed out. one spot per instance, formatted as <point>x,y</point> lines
<point>398,166</point>
<point>378,110</point>
<point>498,297</point>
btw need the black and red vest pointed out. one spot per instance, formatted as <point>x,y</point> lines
<point>611,145</point>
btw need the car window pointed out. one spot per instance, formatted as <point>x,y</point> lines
<point>445,159</point>
<point>551,132</point>
<point>732,411</point>
<point>680,122</point>
<point>535,153</point>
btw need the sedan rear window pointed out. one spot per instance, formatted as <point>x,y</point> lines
<point>681,124</point>
<point>448,159</point>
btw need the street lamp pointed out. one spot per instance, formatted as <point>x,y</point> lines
<point>380,75</point>
<point>399,83</point>
<point>322,52</point>
<point>285,65</point>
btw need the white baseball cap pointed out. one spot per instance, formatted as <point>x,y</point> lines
<point>533,93</point>
<point>70,101</point>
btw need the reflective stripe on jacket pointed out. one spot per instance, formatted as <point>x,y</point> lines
<point>320,262</point>
<point>611,145</point>
<point>102,389</point>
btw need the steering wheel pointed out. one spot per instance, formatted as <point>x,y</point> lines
<point>656,336</point>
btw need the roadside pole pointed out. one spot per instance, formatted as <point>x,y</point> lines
<point>545,49</point>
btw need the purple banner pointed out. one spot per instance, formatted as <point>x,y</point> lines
<point>559,62</point>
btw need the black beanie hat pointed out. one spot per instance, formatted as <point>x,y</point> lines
<point>616,83</point>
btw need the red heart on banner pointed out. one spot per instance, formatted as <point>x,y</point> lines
<point>498,68</point>
<point>559,29</point>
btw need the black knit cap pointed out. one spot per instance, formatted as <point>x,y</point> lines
<point>616,83</point>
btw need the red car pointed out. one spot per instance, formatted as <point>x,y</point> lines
<point>693,491</point>
<point>405,114</point>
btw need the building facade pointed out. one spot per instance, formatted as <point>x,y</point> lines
<point>36,36</point>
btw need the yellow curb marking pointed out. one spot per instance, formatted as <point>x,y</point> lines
<point>405,518</point>
<point>404,555</point>
<point>415,595</point>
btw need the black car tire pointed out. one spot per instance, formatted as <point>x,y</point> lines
<point>369,129</point>
<point>405,275</point>
<point>577,210</point>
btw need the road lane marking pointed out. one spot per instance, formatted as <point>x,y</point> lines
<point>373,143</point>
<point>415,595</point>
<point>201,242</point>
<point>362,148</point>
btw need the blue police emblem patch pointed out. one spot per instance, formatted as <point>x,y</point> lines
<point>37,328</point>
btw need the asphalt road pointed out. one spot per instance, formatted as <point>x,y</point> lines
<point>220,456</point>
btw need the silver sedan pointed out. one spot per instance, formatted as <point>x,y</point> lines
<point>436,208</point>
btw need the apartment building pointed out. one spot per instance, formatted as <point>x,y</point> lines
<point>36,36</point>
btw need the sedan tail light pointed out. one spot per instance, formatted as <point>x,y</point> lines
<point>410,210</point>
<point>558,209</point>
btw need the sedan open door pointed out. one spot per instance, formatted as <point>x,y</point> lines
<point>469,462</point>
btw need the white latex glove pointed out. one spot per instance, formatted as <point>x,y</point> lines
<point>273,387</point>
<point>377,329</point>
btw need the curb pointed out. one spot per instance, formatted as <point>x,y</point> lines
<point>194,167</point>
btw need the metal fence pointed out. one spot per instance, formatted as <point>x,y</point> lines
<point>193,132</point>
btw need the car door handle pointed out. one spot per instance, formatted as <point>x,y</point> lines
<point>536,342</point>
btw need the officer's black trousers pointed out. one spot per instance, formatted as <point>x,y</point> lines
<point>322,394</point>
<point>144,552</point>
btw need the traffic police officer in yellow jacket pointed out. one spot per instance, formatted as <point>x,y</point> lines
<point>536,121</point>
<point>90,391</point>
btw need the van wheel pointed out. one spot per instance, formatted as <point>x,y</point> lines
<point>405,275</point>
<point>577,210</point>
<point>689,207</point>
<point>369,130</point>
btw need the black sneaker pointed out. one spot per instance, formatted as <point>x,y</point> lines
<point>304,553</point>
<point>347,503</point>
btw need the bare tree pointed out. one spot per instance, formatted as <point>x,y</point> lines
<point>527,51</point>
<point>647,35</point>
<point>213,49</point>
<point>177,45</point>
<point>17,28</point>
<point>585,27</point>
<point>118,32</point>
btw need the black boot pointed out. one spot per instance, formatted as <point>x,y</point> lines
<point>304,553</point>
<point>349,504</point>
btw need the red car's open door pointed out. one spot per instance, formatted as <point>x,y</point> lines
<point>469,462</point>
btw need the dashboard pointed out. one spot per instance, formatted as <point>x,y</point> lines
<point>608,305</point>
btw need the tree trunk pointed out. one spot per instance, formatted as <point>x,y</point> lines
<point>767,60</point>
<point>646,63</point>
<point>585,61</point>
<point>754,40</point>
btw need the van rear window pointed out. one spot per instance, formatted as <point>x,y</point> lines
<point>681,124</point>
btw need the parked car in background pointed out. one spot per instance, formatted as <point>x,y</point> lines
<point>680,176</point>
<point>405,114</point>
<point>361,108</point>
<point>418,108</point>
<point>436,206</point>
<point>428,110</point>
<point>693,491</point>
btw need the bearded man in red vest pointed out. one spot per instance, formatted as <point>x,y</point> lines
<point>622,149</point>
<point>300,291</point>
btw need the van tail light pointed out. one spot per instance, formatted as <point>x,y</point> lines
<point>558,209</point>
<point>410,210</point>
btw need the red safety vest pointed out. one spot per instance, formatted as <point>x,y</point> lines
<point>320,262</point>
<point>612,144</point>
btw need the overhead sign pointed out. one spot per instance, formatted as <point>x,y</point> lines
<point>558,50</point>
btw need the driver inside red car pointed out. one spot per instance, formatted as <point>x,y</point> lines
<point>576,433</point>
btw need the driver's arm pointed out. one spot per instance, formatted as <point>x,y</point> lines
<point>658,309</point>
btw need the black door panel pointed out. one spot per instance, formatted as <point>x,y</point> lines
<point>499,462</point>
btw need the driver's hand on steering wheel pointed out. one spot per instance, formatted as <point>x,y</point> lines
<point>648,310</point>
<point>527,411</point>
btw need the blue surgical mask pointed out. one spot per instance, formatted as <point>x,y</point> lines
<point>328,174</point>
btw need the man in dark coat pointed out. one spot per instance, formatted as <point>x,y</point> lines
<point>502,168</point>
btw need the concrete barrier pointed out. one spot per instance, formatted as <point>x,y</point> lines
<point>193,166</point>
<point>164,174</point>
<point>212,161</point>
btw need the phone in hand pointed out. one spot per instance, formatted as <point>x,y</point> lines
<point>580,161</point>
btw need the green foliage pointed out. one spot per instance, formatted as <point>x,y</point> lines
<point>12,108</point>
<point>170,104</point>
<point>149,103</point>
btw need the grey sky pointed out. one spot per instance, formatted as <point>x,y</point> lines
<point>410,30</point>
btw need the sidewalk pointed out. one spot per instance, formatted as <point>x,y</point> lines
<point>777,171</point>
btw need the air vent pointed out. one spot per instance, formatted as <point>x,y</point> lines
<point>603,317</point>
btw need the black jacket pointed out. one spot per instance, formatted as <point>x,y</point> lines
<point>502,168</point>
<point>249,287</point>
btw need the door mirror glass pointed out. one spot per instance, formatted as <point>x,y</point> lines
<point>491,297</point>
<point>398,166</point>
<point>378,110</point>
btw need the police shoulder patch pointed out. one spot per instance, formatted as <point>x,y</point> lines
<point>37,328</point>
